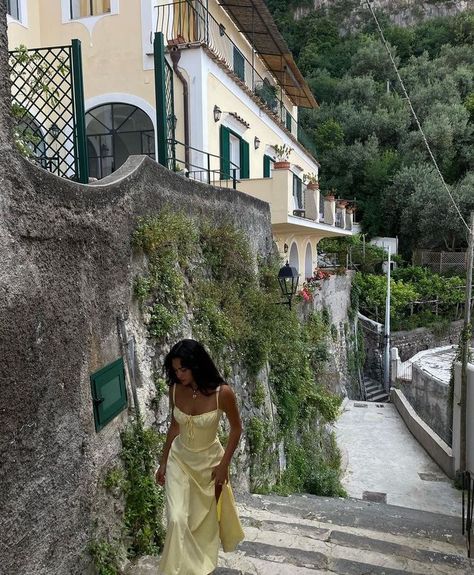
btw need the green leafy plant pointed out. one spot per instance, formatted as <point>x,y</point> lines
<point>106,556</point>
<point>282,152</point>
<point>143,498</point>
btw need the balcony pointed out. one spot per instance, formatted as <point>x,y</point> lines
<point>187,25</point>
<point>295,206</point>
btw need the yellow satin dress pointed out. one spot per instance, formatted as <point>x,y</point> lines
<point>192,538</point>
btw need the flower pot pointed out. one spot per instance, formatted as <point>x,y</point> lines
<point>312,186</point>
<point>281,165</point>
<point>330,198</point>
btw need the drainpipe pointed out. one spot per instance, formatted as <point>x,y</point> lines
<point>175,56</point>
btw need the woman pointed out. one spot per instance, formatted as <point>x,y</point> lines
<point>194,466</point>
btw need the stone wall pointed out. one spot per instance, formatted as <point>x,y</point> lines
<point>335,297</point>
<point>429,397</point>
<point>66,273</point>
<point>409,343</point>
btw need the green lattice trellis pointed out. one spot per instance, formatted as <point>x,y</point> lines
<point>48,108</point>
<point>170,118</point>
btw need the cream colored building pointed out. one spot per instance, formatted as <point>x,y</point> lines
<point>235,95</point>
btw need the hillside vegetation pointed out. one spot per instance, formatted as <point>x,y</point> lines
<point>367,140</point>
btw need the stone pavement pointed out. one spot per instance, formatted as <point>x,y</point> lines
<point>382,457</point>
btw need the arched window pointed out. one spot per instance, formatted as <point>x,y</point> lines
<point>114,132</point>
<point>308,262</point>
<point>294,258</point>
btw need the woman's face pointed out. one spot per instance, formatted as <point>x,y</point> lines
<point>183,374</point>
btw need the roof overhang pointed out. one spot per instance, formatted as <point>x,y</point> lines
<point>297,225</point>
<point>254,21</point>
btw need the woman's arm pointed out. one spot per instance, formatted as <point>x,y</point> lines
<point>173,431</point>
<point>228,404</point>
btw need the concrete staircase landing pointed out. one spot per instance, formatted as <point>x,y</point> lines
<point>308,535</point>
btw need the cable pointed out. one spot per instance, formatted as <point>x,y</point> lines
<point>415,116</point>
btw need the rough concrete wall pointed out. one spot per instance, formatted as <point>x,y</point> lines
<point>65,276</point>
<point>409,343</point>
<point>429,397</point>
<point>335,297</point>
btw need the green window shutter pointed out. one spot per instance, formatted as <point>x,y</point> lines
<point>267,166</point>
<point>244,159</point>
<point>239,64</point>
<point>288,121</point>
<point>225,153</point>
<point>109,394</point>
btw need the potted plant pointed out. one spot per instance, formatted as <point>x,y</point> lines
<point>311,181</point>
<point>282,155</point>
<point>330,195</point>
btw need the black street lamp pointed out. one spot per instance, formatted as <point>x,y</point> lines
<point>288,280</point>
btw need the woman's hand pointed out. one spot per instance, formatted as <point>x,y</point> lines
<point>220,474</point>
<point>160,474</point>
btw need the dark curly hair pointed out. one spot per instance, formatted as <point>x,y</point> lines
<point>194,356</point>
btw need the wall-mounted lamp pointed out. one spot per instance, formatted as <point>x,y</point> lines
<point>217,113</point>
<point>285,248</point>
<point>288,280</point>
<point>256,143</point>
<point>221,30</point>
<point>54,130</point>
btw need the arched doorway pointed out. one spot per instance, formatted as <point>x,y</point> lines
<point>308,262</point>
<point>114,132</point>
<point>294,259</point>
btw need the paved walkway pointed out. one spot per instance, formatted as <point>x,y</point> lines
<point>381,456</point>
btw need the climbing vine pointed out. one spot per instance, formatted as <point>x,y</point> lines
<point>203,276</point>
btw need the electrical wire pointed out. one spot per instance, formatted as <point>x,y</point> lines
<point>387,47</point>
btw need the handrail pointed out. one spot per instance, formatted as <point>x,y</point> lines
<point>205,173</point>
<point>184,23</point>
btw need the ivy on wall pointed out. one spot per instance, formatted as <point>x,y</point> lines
<point>204,276</point>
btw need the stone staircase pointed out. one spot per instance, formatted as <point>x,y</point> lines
<point>374,391</point>
<point>309,535</point>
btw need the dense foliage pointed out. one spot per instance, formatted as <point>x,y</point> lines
<point>202,279</point>
<point>367,140</point>
<point>418,297</point>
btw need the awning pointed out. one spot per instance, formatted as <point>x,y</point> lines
<point>254,21</point>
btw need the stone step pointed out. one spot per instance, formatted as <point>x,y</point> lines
<point>310,535</point>
<point>348,512</point>
<point>378,397</point>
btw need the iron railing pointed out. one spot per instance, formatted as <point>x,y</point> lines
<point>202,167</point>
<point>189,23</point>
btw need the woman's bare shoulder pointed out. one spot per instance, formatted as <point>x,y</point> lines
<point>226,392</point>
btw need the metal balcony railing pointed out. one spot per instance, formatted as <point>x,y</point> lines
<point>189,23</point>
<point>204,167</point>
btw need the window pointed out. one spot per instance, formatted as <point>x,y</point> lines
<point>268,162</point>
<point>234,152</point>
<point>114,132</point>
<point>297,193</point>
<point>85,8</point>
<point>239,64</point>
<point>288,121</point>
<point>13,8</point>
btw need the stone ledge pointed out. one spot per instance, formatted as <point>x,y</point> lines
<point>436,448</point>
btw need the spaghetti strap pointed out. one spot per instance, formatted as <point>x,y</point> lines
<point>217,396</point>
<point>174,394</point>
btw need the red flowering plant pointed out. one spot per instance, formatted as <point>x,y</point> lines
<point>312,284</point>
